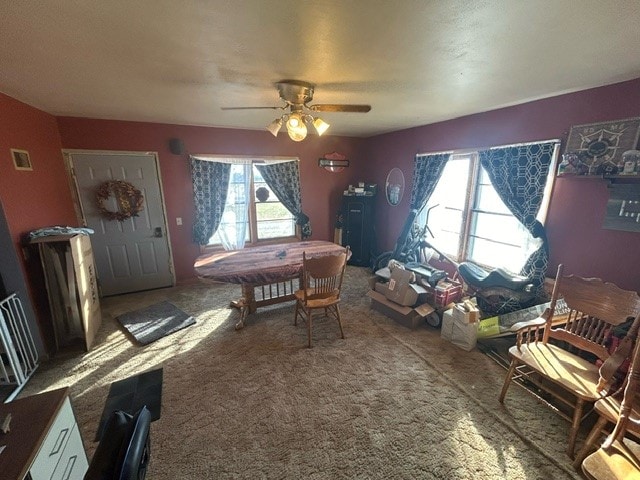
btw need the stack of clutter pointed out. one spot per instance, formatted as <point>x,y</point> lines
<point>398,296</point>
<point>460,324</point>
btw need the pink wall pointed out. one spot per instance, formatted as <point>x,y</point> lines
<point>574,223</point>
<point>33,199</point>
<point>25,193</point>
<point>321,190</point>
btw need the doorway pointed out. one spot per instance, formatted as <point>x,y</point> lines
<point>132,253</point>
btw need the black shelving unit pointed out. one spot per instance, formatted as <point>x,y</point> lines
<point>358,231</point>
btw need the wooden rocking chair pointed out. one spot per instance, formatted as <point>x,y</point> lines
<point>609,408</point>
<point>595,307</point>
<point>619,458</point>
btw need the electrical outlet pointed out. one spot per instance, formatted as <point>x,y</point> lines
<point>178,220</point>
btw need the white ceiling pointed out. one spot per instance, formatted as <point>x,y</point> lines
<point>414,61</point>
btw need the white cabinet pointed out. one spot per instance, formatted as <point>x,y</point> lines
<point>44,441</point>
<point>73,461</point>
<point>62,450</point>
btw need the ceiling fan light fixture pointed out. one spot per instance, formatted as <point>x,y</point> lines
<point>294,120</point>
<point>296,128</point>
<point>275,126</point>
<point>299,134</point>
<point>321,126</point>
<point>297,95</point>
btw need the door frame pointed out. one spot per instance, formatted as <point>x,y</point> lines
<point>75,195</point>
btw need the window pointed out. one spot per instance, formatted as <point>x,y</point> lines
<point>253,208</point>
<point>470,222</point>
<point>273,220</point>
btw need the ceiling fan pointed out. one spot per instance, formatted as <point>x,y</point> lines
<point>297,94</point>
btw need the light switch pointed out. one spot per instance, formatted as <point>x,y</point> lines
<point>178,220</point>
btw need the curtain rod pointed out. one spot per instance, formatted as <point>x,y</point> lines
<point>241,159</point>
<point>470,150</point>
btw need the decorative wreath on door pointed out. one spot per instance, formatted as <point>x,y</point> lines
<point>128,198</point>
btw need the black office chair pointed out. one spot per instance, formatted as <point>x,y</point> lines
<point>124,449</point>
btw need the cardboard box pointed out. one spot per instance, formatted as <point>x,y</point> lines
<point>502,325</point>
<point>406,316</point>
<point>460,333</point>
<point>384,273</point>
<point>466,312</point>
<point>407,296</point>
<point>75,314</point>
<point>400,289</point>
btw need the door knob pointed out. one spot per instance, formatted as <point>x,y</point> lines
<point>157,232</point>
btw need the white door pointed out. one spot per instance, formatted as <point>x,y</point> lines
<point>133,254</point>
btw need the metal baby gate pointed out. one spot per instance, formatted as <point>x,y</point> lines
<point>19,357</point>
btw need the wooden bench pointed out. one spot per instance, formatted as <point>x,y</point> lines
<point>557,356</point>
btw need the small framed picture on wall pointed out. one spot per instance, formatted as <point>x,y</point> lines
<point>21,159</point>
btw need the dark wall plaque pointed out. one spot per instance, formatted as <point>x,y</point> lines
<point>623,208</point>
<point>600,145</point>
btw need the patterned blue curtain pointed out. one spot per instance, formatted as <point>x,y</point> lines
<point>284,180</point>
<point>426,173</point>
<point>519,175</point>
<point>427,170</point>
<point>210,183</point>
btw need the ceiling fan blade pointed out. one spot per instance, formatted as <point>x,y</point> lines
<point>252,108</point>
<point>329,107</point>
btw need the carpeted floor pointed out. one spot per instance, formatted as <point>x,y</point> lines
<point>384,403</point>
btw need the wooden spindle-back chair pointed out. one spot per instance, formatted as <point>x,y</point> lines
<point>320,289</point>
<point>609,407</point>
<point>619,458</point>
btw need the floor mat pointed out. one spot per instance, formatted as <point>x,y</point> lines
<point>131,394</point>
<point>155,321</point>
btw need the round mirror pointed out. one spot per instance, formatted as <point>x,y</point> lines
<point>394,186</point>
